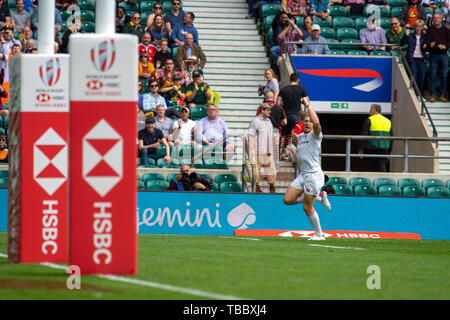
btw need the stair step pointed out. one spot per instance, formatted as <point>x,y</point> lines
<point>215,5</point>
<point>251,60</point>
<point>240,101</point>
<point>223,21</point>
<point>234,48</point>
<point>224,27</point>
<point>230,75</point>
<point>232,37</point>
<point>213,11</point>
<point>247,43</point>
<point>238,83</point>
<point>230,65</point>
<point>218,2</point>
<point>236,54</point>
<point>238,32</point>
<point>246,94</point>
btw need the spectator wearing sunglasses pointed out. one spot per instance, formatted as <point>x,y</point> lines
<point>175,17</point>
<point>156,9</point>
<point>134,26</point>
<point>150,100</point>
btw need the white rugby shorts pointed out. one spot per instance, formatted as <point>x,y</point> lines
<point>310,183</point>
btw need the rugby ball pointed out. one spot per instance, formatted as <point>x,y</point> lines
<point>291,152</point>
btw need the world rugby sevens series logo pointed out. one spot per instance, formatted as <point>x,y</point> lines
<point>104,55</point>
<point>50,72</point>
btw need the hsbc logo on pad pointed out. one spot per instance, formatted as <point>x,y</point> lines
<point>50,161</point>
<point>50,72</point>
<point>94,84</point>
<point>104,55</point>
<point>43,97</point>
<point>102,157</point>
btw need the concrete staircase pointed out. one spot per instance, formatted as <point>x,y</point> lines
<point>440,113</point>
<point>236,59</point>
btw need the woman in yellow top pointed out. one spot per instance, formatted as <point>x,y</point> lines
<point>146,68</point>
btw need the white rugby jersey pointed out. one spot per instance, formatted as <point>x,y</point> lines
<point>308,149</point>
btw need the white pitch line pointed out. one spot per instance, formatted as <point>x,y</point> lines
<point>241,238</point>
<point>335,247</point>
<point>151,284</point>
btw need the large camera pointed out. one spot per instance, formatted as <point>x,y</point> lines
<point>188,181</point>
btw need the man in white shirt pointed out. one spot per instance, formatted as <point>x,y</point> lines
<point>184,129</point>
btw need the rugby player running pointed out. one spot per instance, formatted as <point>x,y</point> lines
<point>306,187</point>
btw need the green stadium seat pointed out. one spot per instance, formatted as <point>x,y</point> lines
<point>404,182</point>
<point>365,190</point>
<point>328,33</point>
<point>225,177</point>
<point>299,22</point>
<point>129,9</point>
<point>337,52</point>
<point>141,185</point>
<point>350,47</point>
<point>12,4</point>
<point>337,180</point>
<point>4,182</point>
<point>88,26</point>
<point>267,22</point>
<point>152,176</point>
<point>342,189</point>
<point>395,11</point>
<point>198,112</point>
<point>361,23</point>
<point>334,47</point>
<point>270,9</point>
<point>322,22</point>
<point>396,3</point>
<point>215,164</point>
<point>88,15</point>
<point>447,184</point>
<point>440,192</point>
<point>215,187</point>
<point>4,173</point>
<point>378,182</point>
<point>381,53</point>
<point>427,183</point>
<point>230,187</point>
<point>343,22</point>
<point>390,190</point>
<point>385,23</point>
<point>86,5</point>
<point>346,33</point>
<point>357,53</point>
<point>357,181</point>
<point>156,185</point>
<point>162,149</point>
<point>147,6</point>
<point>384,12</point>
<point>413,191</point>
<point>428,11</point>
<point>269,39</point>
<point>338,11</point>
<point>151,162</point>
<point>207,176</point>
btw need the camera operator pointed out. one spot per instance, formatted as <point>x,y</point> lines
<point>189,181</point>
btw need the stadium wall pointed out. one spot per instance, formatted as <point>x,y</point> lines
<point>193,213</point>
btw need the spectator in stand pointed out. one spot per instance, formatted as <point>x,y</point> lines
<point>280,21</point>
<point>146,68</point>
<point>7,44</point>
<point>166,77</point>
<point>76,28</point>
<point>147,46</point>
<point>296,8</point>
<point>378,3</point>
<point>429,4</point>
<point>158,29</point>
<point>376,125</point>
<point>260,140</point>
<point>373,35</point>
<point>3,148</point>
<point>162,55</point>
<point>184,129</point>
<point>121,19</point>
<point>5,14</point>
<point>319,8</point>
<point>152,99</point>
<point>20,18</point>
<point>271,85</point>
<point>156,9</point>
<point>291,33</point>
<point>395,34</point>
<point>212,129</point>
<point>29,46</point>
<point>354,7</point>
<point>437,43</point>
<point>290,98</point>
<point>190,49</point>
<point>175,96</point>
<point>25,36</point>
<point>35,19</point>
<point>416,52</point>
<point>134,26</point>
<point>306,27</point>
<point>3,94</point>
<point>189,181</point>
<point>149,143</point>
<point>191,65</point>
<point>64,4</point>
<point>174,17</point>
<point>197,91</point>
<point>410,13</point>
<point>315,48</point>
<point>164,123</point>
<point>181,30</point>
<point>446,12</point>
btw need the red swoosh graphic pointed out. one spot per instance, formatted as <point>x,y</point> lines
<point>343,73</point>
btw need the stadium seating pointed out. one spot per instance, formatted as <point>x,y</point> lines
<point>88,15</point>
<point>86,5</point>
<point>230,187</point>
<point>328,33</point>
<point>225,177</point>
<point>361,23</point>
<point>350,47</point>
<point>413,191</point>
<point>384,12</point>
<point>198,112</point>
<point>395,11</point>
<point>427,183</point>
<point>88,26</point>
<point>338,11</point>
<point>389,190</point>
<point>151,164</point>
<point>448,184</point>
<point>378,182</point>
<point>152,176</point>
<point>207,176</point>
<point>343,22</point>
<point>270,9</point>
<point>4,173</point>
<point>438,191</point>
<point>337,52</point>
<point>4,182</point>
<point>365,190</point>
<point>357,53</point>
<point>156,185</point>
<point>404,182</point>
<point>141,185</point>
<point>146,6</point>
<point>346,33</point>
<point>171,176</point>
<point>322,22</point>
<point>396,3</point>
<point>343,189</point>
<point>357,181</point>
<point>337,180</point>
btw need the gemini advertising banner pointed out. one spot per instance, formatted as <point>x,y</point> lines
<point>346,84</point>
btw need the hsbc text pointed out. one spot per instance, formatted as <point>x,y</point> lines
<point>49,227</point>
<point>102,233</point>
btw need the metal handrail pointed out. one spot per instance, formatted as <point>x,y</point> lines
<point>403,60</point>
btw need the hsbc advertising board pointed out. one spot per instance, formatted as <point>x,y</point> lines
<point>38,200</point>
<point>103,131</point>
<point>346,84</point>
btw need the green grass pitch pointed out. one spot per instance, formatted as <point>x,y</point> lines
<point>272,268</point>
